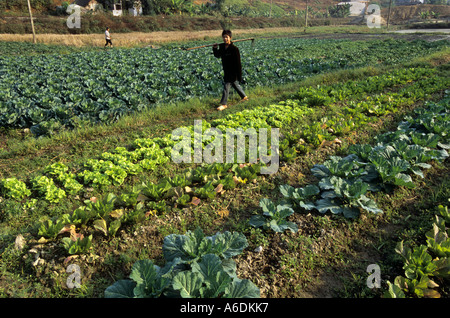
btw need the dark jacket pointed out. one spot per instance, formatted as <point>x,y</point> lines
<point>231,62</point>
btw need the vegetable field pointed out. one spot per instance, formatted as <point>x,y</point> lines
<point>49,92</point>
<point>362,177</point>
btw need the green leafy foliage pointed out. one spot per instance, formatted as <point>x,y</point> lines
<point>274,217</point>
<point>197,266</point>
<point>59,171</point>
<point>108,89</point>
<point>437,239</point>
<point>206,191</point>
<point>425,265</point>
<point>101,207</point>
<point>345,181</point>
<point>444,213</point>
<point>14,188</point>
<point>301,197</point>
<point>193,245</point>
<point>346,198</point>
<point>80,245</point>
<point>391,168</point>
<point>46,188</point>
<point>81,216</point>
<point>51,228</point>
<point>107,229</point>
<point>156,191</point>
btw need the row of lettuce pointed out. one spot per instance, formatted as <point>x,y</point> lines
<point>343,184</point>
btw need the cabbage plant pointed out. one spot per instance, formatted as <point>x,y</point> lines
<point>197,266</point>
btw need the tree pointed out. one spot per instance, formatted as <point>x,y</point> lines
<point>153,7</point>
<point>220,4</point>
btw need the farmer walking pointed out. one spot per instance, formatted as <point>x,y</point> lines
<point>232,68</point>
<point>108,38</point>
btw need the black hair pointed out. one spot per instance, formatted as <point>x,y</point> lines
<point>226,32</point>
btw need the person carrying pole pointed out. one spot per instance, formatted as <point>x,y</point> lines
<point>232,68</point>
<point>108,38</point>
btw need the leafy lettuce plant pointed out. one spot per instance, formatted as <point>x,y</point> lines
<point>248,173</point>
<point>80,245</point>
<point>59,172</point>
<point>156,191</point>
<point>418,287</point>
<point>101,172</point>
<point>288,154</point>
<point>424,265</point>
<point>81,216</point>
<point>47,188</point>
<point>444,213</point>
<point>419,267</point>
<point>94,178</point>
<point>274,217</point>
<point>14,188</point>
<point>101,207</point>
<point>438,238</point>
<point>50,229</point>
<point>107,229</point>
<point>135,215</point>
<point>129,198</point>
<point>184,199</point>
<point>206,191</point>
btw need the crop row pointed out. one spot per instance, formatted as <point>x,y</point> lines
<point>49,92</point>
<point>344,182</point>
<point>111,212</point>
<point>145,154</point>
<point>426,266</point>
<point>343,185</point>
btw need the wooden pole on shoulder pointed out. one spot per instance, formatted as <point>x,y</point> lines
<point>199,47</point>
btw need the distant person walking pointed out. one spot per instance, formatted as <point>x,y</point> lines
<point>108,38</point>
<point>232,68</point>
